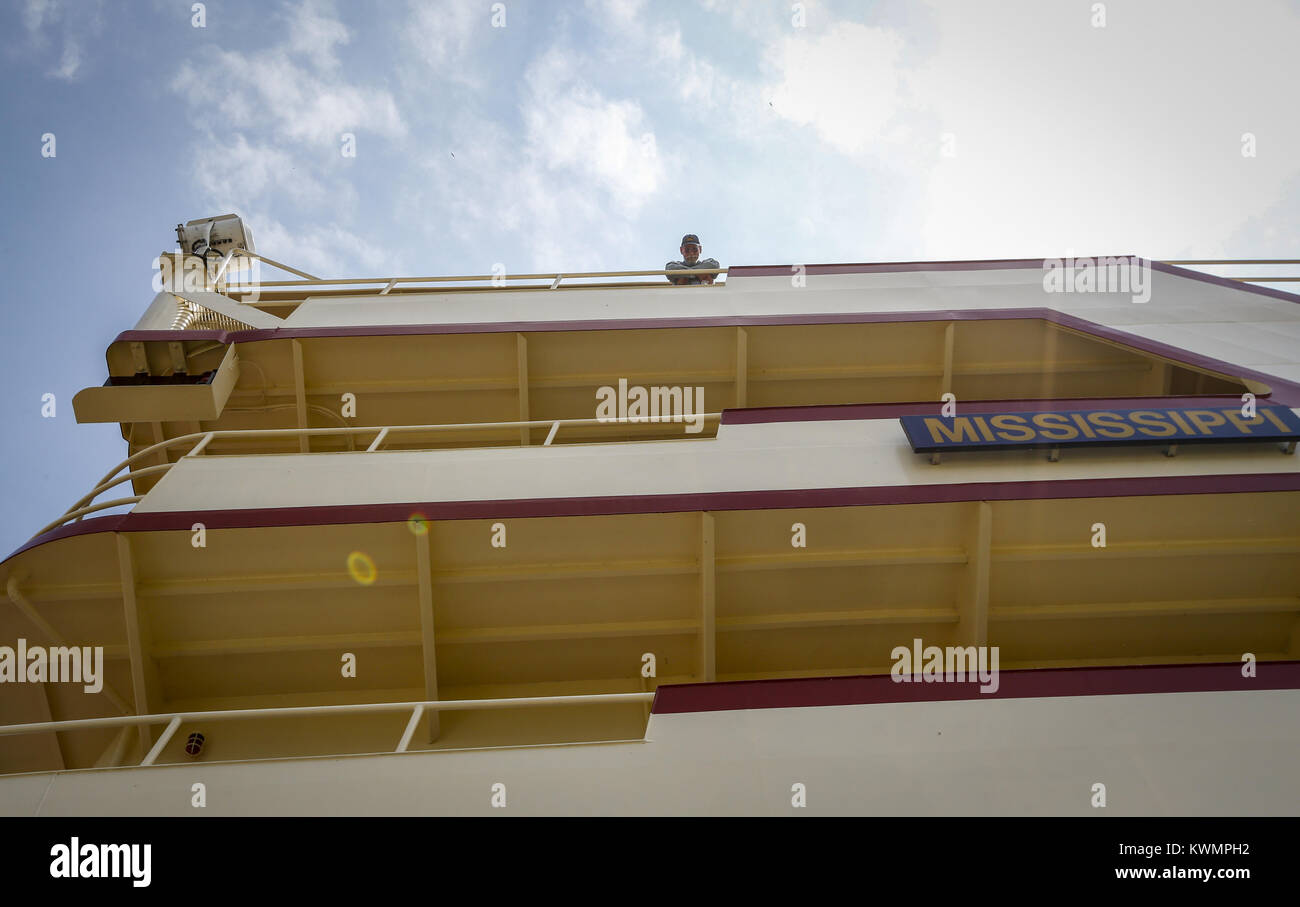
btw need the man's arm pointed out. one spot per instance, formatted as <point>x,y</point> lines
<point>676,266</point>
<point>707,263</point>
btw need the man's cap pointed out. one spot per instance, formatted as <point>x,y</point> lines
<point>690,237</point>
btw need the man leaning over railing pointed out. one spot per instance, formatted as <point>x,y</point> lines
<point>691,259</point>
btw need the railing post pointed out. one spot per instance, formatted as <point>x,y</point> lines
<point>410,729</point>
<point>198,448</point>
<point>163,740</point>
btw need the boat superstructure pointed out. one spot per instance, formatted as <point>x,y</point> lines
<point>420,522</point>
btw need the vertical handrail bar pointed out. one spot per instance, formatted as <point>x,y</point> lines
<point>163,740</point>
<point>410,729</point>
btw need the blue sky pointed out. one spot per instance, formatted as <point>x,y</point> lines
<point>593,135</point>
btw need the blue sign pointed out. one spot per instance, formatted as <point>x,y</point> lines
<point>1088,428</point>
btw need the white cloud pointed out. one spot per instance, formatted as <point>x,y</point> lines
<point>843,83</point>
<point>326,250</point>
<point>572,186</point>
<point>34,13</point>
<point>73,26</point>
<point>70,62</point>
<point>622,14</point>
<point>236,174</point>
<point>571,126</point>
<point>442,34</point>
<point>314,34</point>
<point>705,92</point>
<point>293,90</point>
<point>1120,139</point>
<point>570,181</point>
<point>1110,140</point>
<point>269,124</point>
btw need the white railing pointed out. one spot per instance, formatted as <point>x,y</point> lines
<point>288,292</point>
<point>293,291</point>
<point>417,710</point>
<point>550,280</point>
<point>201,440</point>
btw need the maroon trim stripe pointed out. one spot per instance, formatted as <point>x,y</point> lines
<point>854,411</point>
<point>778,499</point>
<point>1225,282</point>
<point>612,324</point>
<point>1128,680</point>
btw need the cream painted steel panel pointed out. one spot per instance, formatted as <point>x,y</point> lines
<point>829,454</point>
<point>1221,322</point>
<point>160,402</point>
<point>1220,753</point>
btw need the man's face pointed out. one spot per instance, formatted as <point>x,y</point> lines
<point>690,252</point>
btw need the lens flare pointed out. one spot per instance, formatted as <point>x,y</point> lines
<point>418,523</point>
<point>362,568</point>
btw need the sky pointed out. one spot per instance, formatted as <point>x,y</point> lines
<point>550,136</point>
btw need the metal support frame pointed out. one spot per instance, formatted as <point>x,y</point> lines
<point>48,711</point>
<point>1158,381</point>
<point>177,352</point>
<point>1051,354</point>
<point>521,362</point>
<point>144,680</point>
<point>56,638</point>
<point>300,395</point>
<point>973,626</point>
<point>742,368</point>
<point>114,753</point>
<point>138,357</point>
<point>949,339</point>
<point>708,599</point>
<point>159,436</point>
<point>424,580</point>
